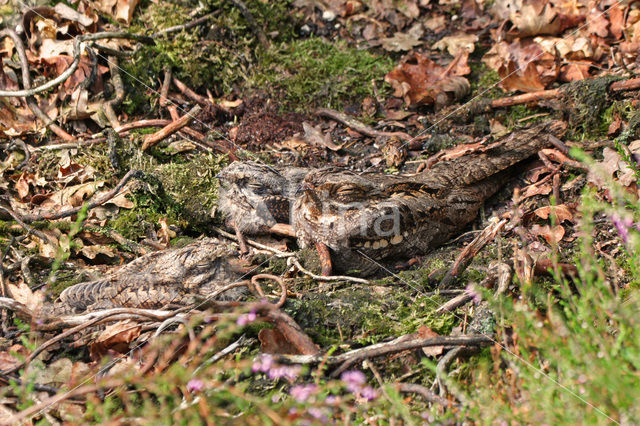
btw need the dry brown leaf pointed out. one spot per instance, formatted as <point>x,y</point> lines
<point>91,252</point>
<point>575,71</point>
<point>436,23</point>
<point>72,196</point>
<point>533,190</point>
<point>115,337</point>
<point>456,43</point>
<point>425,332</point>
<point>121,10</point>
<point>121,199</point>
<point>404,41</point>
<point>21,292</point>
<point>421,81</point>
<point>597,22</point>
<point>528,68</point>
<point>315,136</point>
<point>560,213</point>
<point>551,235</point>
<point>8,358</point>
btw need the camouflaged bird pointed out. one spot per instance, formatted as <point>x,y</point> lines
<point>175,276</point>
<point>255,196</point>
<point>369,217</point>
<point>364,218</point>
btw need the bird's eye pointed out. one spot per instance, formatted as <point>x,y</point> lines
<point>348,193</point>
<point>257,187</point>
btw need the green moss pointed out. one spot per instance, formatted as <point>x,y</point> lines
<point>357,314</point>
<point>587,102</point>
<point>193,186</point>
<point>313,72</point>
<point>484,81</point>
<point>217,56</point>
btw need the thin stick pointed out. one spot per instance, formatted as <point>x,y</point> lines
<point>379,349</point>
<point>293,261</point>
<point>423,392</point>
<point>55,399</point>
<point>358,126</point>
<point>255,244</point>
<point>49,215</point>
<point>26,82</point>
<point>469,252</point>
<point>76,61</point>
<point>195,22</point>
<point>171,128</point>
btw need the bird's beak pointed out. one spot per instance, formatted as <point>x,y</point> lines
<point>304,187</point>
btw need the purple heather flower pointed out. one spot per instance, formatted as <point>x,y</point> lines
<point>245,319</point>
<point>368,393</point>
<point>284,371</point>
<point>318,414</point>
<point>195,385</point>
<point>354,380</point>
<point>622,225</point>
<point>262,364</point>
<point>472,292</point>
<point>331,400</point>
<point>302,392</point>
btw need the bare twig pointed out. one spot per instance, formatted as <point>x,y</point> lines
<point>279,280</point>
<point>155,122</point>
<point>26,82</point>
<point>444,382</point>
<point>423,392</point>
<point>325,259</point>
<point>118,87</point>
<point>525,98</point>
<point>171,128</point>
<point>194,23</point>
<point>185,90</point>
<point>77,50</point>
<point>358,126</point>
<point>469,252</point>
<point>49,215</point>
<point>255,244</point>
<point>63,396</point>
<point>294,262</point>
<point>379,349</point>
<point>262,38</point>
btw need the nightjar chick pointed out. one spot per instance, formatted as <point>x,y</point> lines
<point>255,197</point>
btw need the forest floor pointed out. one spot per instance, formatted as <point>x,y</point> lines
<point>185,88</point>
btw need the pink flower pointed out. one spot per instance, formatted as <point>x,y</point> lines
<point>245,319</point>
<point>622,225</point>
<point>262,364</point>
<point>284,371</point>
<point>368,393</point>
<point>195,385</point>
<point>354,380</point>
<point>472,292</point>
<point>318,414</point>
<point>302,392</point>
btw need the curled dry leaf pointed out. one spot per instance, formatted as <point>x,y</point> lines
<point>115,337</point>
<point>314,136</point>
<point>420,81</point>
<point>551,235</point>
<point>560,213</point>
<point>23,294</point>
<point>121,10</point>
<point>536,189</point>
<point>455,44</point>
<point>522,65</point>
<point>404,41</point>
